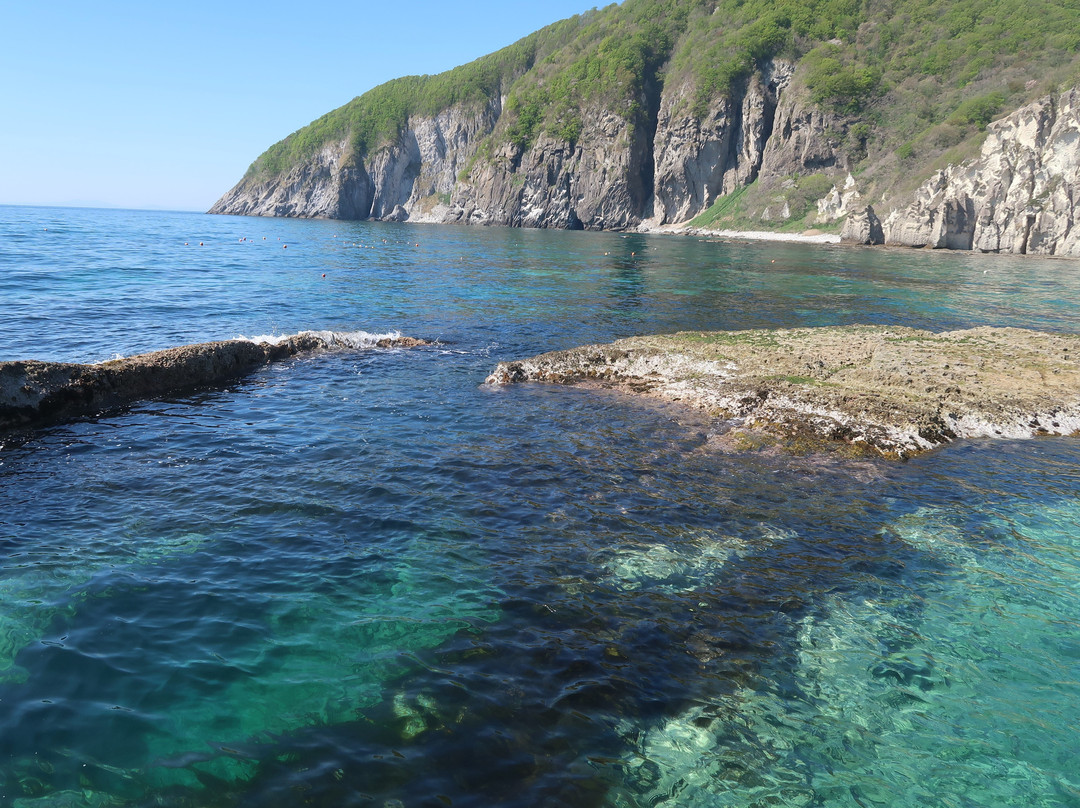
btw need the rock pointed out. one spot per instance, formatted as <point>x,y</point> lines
<point>327,185</point>
<point>657,159</point>
<point>33,392</point>
<point>1021,195</point>
<point>700,159</point>
<point>862,227</point>
<point>401,342</point>
<point>895,392</point>
<point>839,202</point>
<point>411,172</point>
<point>595,183</point>
<point>802,140</point>
<point>398,214</point>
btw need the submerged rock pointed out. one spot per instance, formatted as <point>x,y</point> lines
<point>33,392</point>
<point>891,391</point>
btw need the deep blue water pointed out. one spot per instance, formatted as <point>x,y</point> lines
<point>362,578</point>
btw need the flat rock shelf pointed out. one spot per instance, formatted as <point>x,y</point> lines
<point>892,391</point>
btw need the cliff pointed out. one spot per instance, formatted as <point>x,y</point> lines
<point>1021,195</point>
<point>664,165</point>
<point>720,114</point>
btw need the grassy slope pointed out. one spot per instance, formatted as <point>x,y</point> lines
<point>915,80</point>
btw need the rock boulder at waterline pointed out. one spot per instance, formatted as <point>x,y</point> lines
<point>32,392</point>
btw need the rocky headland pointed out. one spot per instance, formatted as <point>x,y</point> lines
<point>889,391</point>
<point>619,120</point>
<point>34,393</point>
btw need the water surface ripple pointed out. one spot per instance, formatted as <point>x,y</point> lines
<point>361,578</point>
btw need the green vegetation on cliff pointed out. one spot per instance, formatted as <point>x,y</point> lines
<point>912,80</point>
<point>788,206</point>
<point>380,115</point>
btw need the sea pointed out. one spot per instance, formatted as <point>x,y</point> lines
<point>365,578</point>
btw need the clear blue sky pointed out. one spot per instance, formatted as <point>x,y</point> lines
<point>164,105</point>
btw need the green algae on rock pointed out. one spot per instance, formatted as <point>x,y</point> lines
<point>884,390</point>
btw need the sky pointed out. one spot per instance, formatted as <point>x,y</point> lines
<point>165,105</point>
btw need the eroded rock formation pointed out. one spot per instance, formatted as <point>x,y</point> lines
<point>664,164</point>
<point>1021,195</point>
<point>698,159</point>
<point>669,160</point>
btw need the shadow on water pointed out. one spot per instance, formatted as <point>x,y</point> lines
<point>620,611</point>
<point>594,589</point>
<point>629,673</point>
<point>593,651</point>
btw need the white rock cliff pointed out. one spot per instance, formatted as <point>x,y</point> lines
<point>1021,195</point>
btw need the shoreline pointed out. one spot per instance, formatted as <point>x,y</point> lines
<point>805,237</point>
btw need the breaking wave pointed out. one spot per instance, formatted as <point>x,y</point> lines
<point>333,339</point>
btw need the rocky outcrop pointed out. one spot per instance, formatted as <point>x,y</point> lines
<point>411,178</point>
<point>1021,195</point>
<point>326,186</point>
<point>597,182</point>
<point>862,226</point>
<point>803,140</point>
<point>659,159</point>
<point>896,392</point>
<point>33,392</point>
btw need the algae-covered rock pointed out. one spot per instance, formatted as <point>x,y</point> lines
<point>891,391</point>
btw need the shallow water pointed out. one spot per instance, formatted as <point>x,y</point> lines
<point>361,578</point>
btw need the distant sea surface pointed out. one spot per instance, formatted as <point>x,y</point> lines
<point>362,578</point>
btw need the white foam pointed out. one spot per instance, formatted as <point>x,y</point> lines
<point>333,339</point>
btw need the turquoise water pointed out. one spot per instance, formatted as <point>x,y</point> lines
<point>361,578</point>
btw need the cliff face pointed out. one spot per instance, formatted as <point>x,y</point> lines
<point>668,163</point>
<point>700,159</point>
<point>720,114</point>
<point>1021,195</point>
<point>598,182</point>
<point>325,186</point>
<point>410,178</point>
<point>662,165</point>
